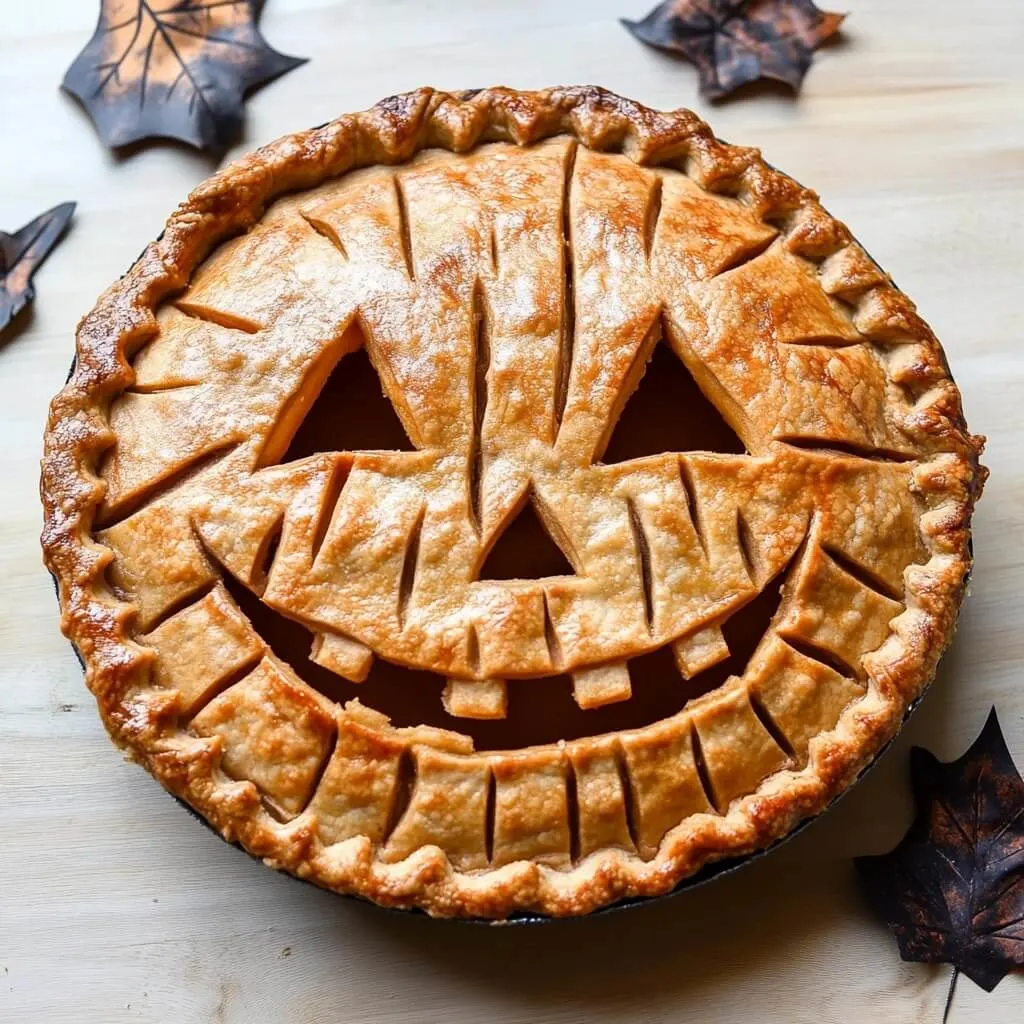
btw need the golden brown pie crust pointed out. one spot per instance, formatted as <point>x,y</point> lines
<point>413,816</point>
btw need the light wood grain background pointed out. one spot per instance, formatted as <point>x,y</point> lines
<point>115,906</point>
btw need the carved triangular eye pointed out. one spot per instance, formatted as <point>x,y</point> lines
<point>351,413</point>
<point>524,550</point>
<point>668,412</point>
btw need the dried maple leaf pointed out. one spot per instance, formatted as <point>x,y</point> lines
<point>174,70</point>
<point>21,255</point>
<point>733,42</point>
<point>953,890</point>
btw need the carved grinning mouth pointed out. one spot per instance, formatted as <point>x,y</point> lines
<point>540,710</point>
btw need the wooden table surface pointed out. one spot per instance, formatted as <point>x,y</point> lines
<point>115,906</point>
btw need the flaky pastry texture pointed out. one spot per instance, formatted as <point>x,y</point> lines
<point>509,260</point>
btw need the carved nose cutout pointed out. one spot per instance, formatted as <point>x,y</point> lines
<point>668,412</point>
<point>351,413</point>
<point>524,550</point>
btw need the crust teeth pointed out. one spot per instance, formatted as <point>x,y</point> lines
<point>348,658</point>
<point>603,684</point>
<point>700,651</point>
<point>472,698</point>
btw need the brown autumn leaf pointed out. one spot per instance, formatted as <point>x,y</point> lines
<point>173,69</point>
<point>734,42</point>
<point>21,255</point>
<point>953,890</point>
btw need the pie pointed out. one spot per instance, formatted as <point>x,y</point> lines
<point>506,502</point>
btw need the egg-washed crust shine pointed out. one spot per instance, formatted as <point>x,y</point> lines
<point>227,763</point>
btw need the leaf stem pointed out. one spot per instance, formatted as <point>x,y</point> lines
<point>949,994</point>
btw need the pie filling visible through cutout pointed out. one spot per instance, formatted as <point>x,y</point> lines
<point>513,524</point>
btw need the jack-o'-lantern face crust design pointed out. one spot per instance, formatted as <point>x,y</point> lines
<point>509,299</point>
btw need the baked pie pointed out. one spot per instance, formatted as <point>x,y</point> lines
<point>506,502</point>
